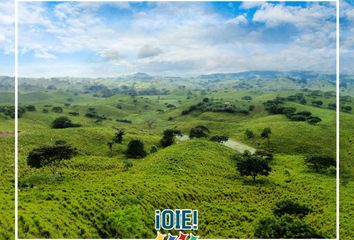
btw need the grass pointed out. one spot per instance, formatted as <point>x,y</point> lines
<point>84,196</point>
<point>7,191</point>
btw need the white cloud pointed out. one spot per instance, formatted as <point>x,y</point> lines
<point>148,51</point>
<point>7,26</point>
<point>179,38</point>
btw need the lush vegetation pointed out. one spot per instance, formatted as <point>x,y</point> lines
<point>7,187</point>
<point>135,152</point>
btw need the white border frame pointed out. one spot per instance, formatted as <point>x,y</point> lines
<point>337,92</point>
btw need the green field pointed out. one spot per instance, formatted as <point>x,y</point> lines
<point>93,195</point>
<point>7,189</point>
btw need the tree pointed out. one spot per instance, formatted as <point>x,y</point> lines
<point>44,155</point>
<point>169,136</point>
<point>285,226</point>
<point>118,137</point>
<point>64,122</point>
<point>219,138</point>
<point>249,133</point>
<point>199,131</point>
<point>136,149</point>
<point>253,165</point>
<point>266,134</point>
<point>320,162</point>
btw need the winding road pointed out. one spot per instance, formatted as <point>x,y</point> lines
<point>236,145</point>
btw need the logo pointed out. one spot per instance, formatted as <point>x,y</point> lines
<point>178,219</point>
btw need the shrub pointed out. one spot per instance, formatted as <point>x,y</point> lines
<point>332,106</point>
<point>45,110</point>
<point>297,118</point>
<point>304,113</point>
<point>320,162</point>
<point>127,223</point>
<point>153,149</point>
<point>199,131</point>
<point>44,155</point>
<point>248,98</point>
<point>285,226</point>
<point>124,120</point>
<point>317,103</point>
<point>253,165</point>
<point>136,149</point>
<point>127,163</point>
<point>30,108</point>
<point>168,137</point>
<point>291,208</point>
<point>219,138</point>
<point>249,133</point>
<point>74,113</point>
<point>57,109</point>
<point>264,154</point>
<point>314,120</point>
<point>64,122</point>
<point>346,109</point>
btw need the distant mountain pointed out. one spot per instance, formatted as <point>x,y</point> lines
<point>141,76</point>
<point>299,75</point>
<point>7,83</point>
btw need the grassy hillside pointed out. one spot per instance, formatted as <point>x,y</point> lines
<point>347,172</point>
<point>7,191</point>
<point>92,195</point>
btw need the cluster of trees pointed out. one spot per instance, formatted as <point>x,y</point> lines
<point>299,97</point>
<point>91,113</point>
<point>45,155</point>
<point>320,163</point>
<point>100,90</point>
<point>275,106</point>
<point>210,106</point>
<point>287,222</point>
<point>64,122</point>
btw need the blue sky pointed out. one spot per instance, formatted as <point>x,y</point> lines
<point>174,38</point>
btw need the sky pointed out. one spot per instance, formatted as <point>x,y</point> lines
<point>7,37</point>
<point>347,37</point>
<point>83,39</point>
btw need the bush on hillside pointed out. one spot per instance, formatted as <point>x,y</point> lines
<point>285,226</point>
<point>320,162</point>
<point>199,131</point>
<point>219,138</point>
<point>44,155</point>
<point>136,149</point>
<point>249,133</point>
<point>64,122</point>
<point>169,137</point>
<point>57,109</point>
<point>30,108</point>
<point>291,208</point>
